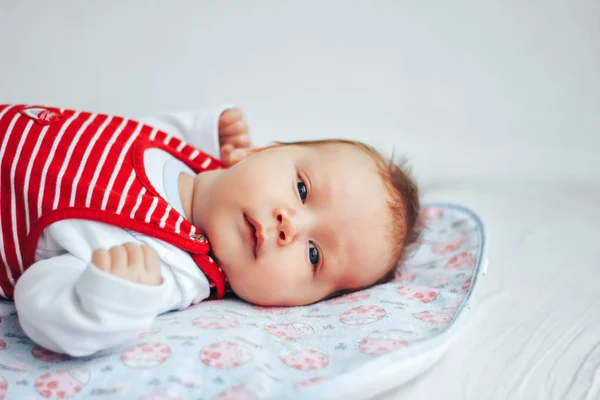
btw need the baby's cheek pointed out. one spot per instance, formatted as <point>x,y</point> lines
<point>275,283</point>
<point>250,280</point>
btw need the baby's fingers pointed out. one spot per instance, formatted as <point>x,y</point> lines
<point>135,256</point>
<point>226,150</point>
<point>152,261</point>
<point>118,260</point>
<point>235,129</point>
<point>239,141</point>
<point>101,259</point>
<point>230,116</point>
<point>152,264</point>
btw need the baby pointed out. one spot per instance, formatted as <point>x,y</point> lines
<point>107,222</point>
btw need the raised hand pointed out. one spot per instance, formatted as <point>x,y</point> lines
<point>234,138</point>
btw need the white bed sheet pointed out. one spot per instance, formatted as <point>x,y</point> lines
<point>534,331</point>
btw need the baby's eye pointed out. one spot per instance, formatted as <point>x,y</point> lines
<point>302,189</point>
<point>313,254</point>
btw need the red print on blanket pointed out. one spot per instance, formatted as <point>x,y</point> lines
<point>418,293</point>
<point>434,317</point>
<point>466,285</point>
<point>3,387</point>
<point>433,213</point>
<point>404,276</point>
<point>216,322</point>
<point>148,332</point>
<point>309,382</point>
<point>448,246</point>
<point>62,384</point>
<point>362,315</point>
<point>381,343</point>
<point>146,355</point>
<point>235,393</point>
<point>225,355</point>
<point>291,331</point>
<point>304,359</point>
<point>271,310</point>
<point>460,261</point>
<point>350,297</point>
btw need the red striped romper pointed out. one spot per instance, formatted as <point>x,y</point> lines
<point>60,164</point>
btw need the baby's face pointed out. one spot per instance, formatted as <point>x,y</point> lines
<point>293,224</point>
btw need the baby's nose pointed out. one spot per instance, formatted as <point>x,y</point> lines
<point>287,226</point>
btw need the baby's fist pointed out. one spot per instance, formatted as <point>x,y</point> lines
<point>133,262</point>
<point>234,138</point>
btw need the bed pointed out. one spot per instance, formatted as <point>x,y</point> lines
<point>529,329</point>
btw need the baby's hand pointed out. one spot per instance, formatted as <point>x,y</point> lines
<point>132,262</point>
<point>233,136</point>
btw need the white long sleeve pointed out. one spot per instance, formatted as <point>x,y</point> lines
<point>69,306</point>
<point>198,128</point>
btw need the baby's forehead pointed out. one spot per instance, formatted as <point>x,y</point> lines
<point>348,156</point>
<point>348,148</point>
<point>359,217</point>
<point>353,185</point>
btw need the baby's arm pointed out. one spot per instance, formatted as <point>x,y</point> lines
<point>69,306</point>
<point>219,132</point>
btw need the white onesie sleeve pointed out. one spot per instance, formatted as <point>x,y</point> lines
<point>198,128</point>
<point>69,306</point>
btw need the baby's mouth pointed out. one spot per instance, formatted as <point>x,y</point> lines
<point>255,234</point>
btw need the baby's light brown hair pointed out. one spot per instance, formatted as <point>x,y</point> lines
<point>404,203</point>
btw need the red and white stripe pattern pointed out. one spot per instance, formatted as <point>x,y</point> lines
<point>59,164</point>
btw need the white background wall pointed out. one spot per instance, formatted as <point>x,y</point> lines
<point>504,90</point>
